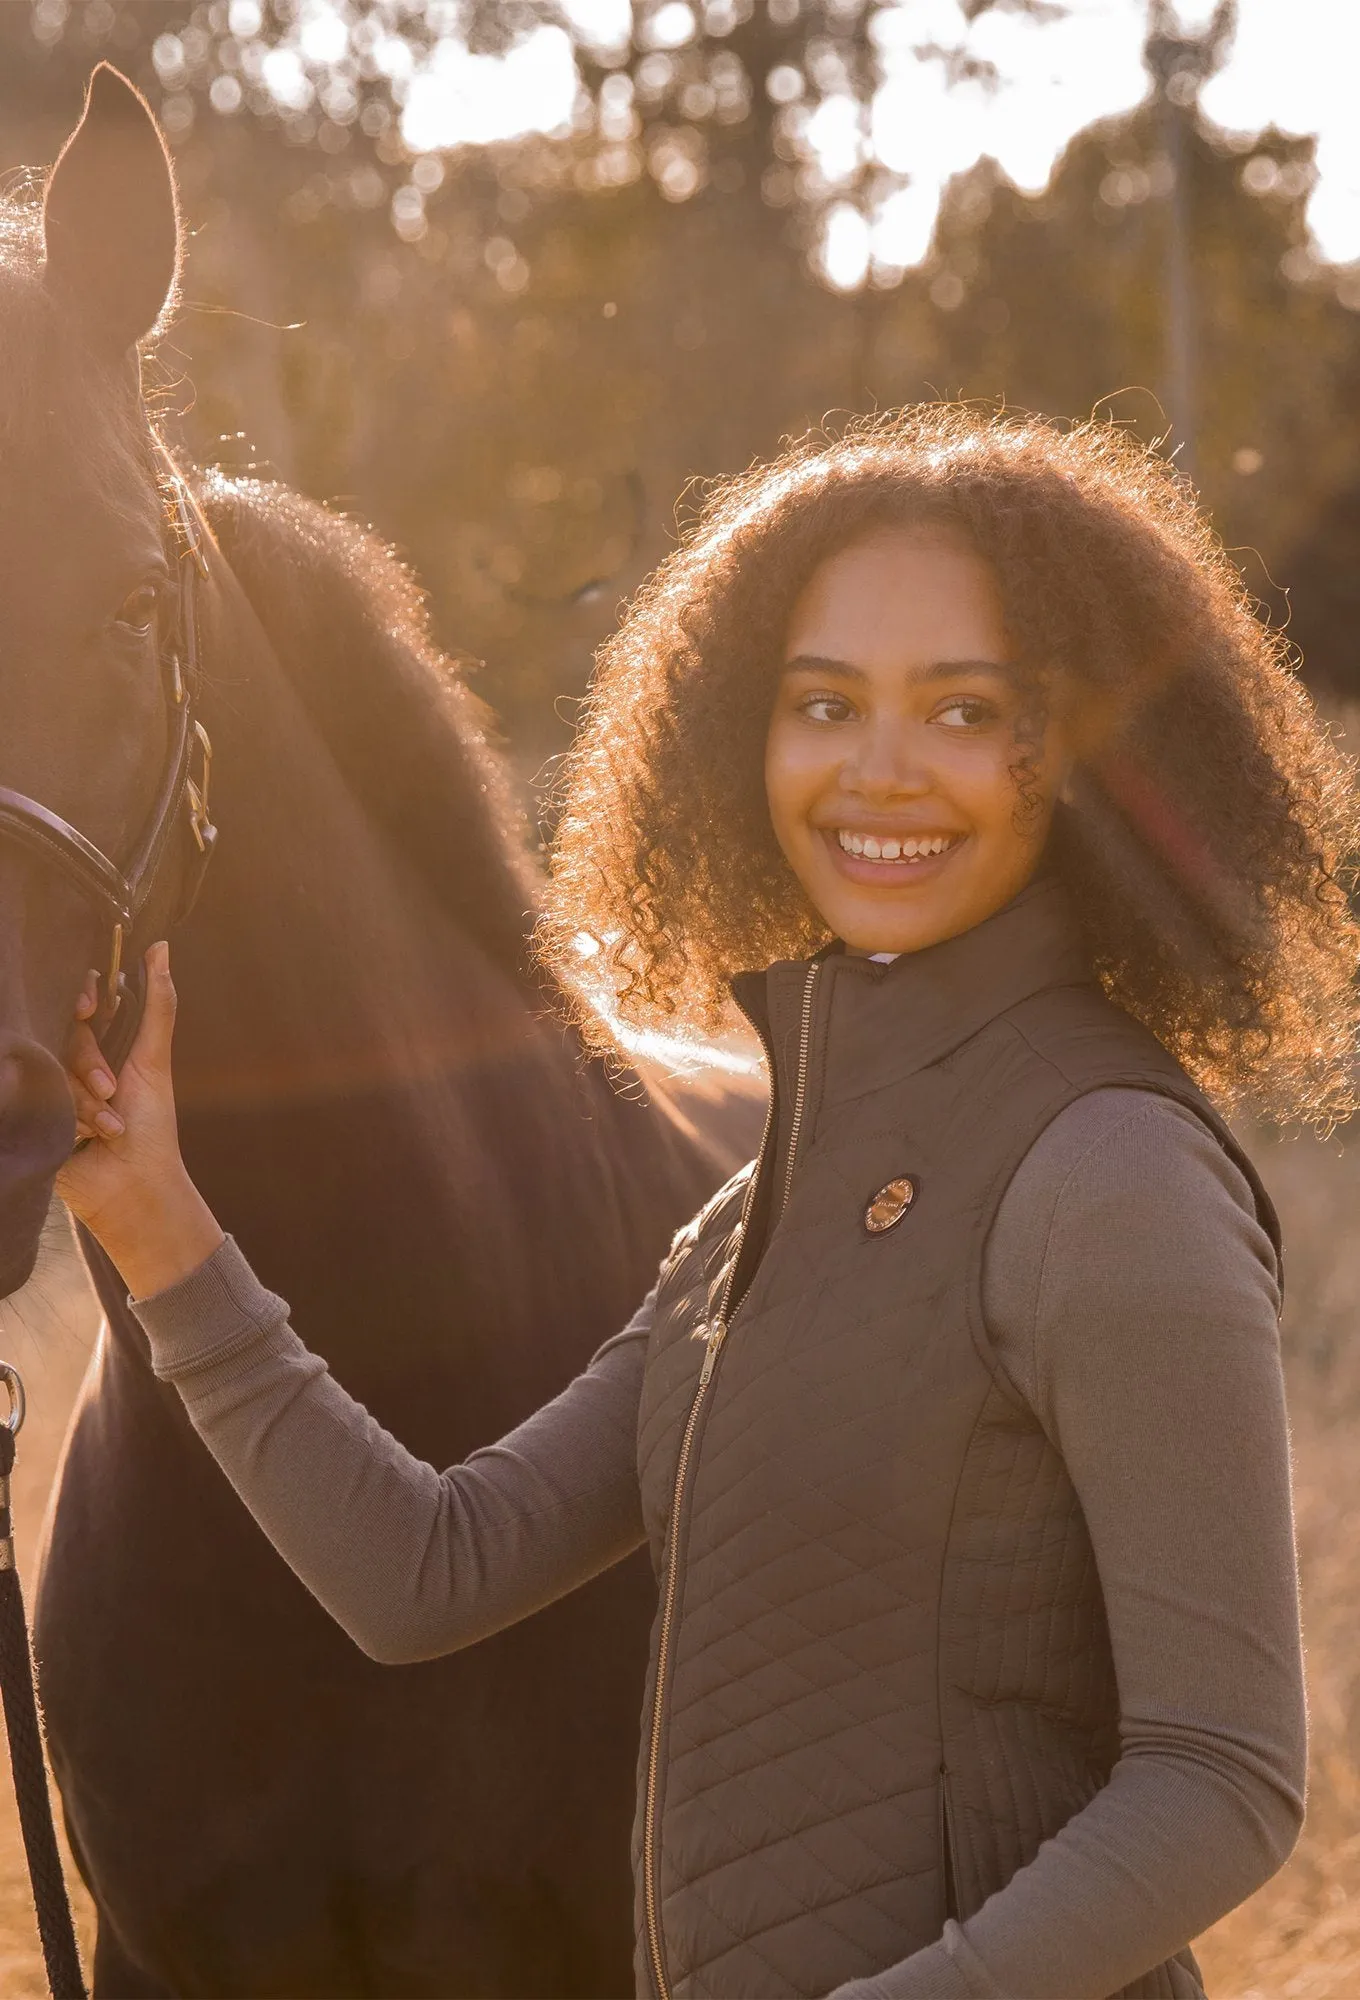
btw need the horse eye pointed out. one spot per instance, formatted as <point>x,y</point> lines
<point>137,612</point>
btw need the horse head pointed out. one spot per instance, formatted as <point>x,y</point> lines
<point>91,685</point>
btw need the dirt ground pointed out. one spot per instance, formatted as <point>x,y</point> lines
<point>1299,1939</point>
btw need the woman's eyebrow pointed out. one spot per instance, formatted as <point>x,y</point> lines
<point>928,670</point>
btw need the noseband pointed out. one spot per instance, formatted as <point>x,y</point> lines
<point>123,893</point>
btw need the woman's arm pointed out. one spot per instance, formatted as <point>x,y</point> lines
<point>411,1561</point>
<point>1132,1294</point>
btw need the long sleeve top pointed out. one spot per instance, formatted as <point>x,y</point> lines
<point>1131,1296</point>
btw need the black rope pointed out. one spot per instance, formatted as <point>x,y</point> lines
<point>17,1691</point>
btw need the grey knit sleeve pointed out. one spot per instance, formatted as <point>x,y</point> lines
<point>1132,1296</point>
<point>411,1561</point>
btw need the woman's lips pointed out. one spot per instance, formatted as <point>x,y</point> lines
<point>904,871</point>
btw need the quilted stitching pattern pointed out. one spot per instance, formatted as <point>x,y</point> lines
<point>882,1566</point>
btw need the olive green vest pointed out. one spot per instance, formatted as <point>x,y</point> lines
<point>881,1673</point>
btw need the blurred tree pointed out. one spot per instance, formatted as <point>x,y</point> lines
<point>513,357</point>
<point>1324,596</point>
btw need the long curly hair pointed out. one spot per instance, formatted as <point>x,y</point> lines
<point>1211,823</point>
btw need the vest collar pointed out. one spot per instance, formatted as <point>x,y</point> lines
<point>870,1025</point>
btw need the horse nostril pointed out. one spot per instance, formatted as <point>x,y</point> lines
<point>37,1129</point>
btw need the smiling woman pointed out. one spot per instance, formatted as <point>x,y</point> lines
<point>1125,723</point>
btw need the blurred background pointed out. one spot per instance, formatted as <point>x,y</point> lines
<point>509,279</point>
<point>505,276</point>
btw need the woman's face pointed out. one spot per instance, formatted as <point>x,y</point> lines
<point>888,765</point>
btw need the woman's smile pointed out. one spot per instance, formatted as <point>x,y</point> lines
<point>891,859</point>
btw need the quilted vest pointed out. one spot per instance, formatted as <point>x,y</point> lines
<point>880,1671</point>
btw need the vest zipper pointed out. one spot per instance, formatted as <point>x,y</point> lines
<point>800,1094</point>
<point>713,1340</point>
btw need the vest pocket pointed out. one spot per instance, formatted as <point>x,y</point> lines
<point>949,1866</point>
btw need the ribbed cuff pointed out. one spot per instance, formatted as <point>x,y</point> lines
<point>217,1310</point>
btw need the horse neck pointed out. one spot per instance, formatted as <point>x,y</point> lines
<point>319,954</point>
<point>348,1058</point>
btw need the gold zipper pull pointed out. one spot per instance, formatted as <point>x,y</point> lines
<point>713,1340</point>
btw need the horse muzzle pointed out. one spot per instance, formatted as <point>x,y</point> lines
<point>37,1132</point>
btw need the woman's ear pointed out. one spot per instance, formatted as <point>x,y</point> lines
<point>111,220</point>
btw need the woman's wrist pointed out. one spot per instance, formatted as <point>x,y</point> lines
<point>168,1236</point>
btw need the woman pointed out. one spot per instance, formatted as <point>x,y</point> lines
<point>955,1423</point>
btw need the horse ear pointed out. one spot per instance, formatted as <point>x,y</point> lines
<point>110,219</point>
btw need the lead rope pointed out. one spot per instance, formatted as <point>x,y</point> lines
<point>18,1693</point>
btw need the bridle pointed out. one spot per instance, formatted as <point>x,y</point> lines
<point>181,803</point>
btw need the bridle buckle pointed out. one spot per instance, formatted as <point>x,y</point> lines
<point>113,978</point>
<point>196,792</point>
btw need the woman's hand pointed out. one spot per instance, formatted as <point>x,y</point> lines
<point>129,1185</point>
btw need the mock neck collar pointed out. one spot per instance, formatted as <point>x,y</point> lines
<point>876,1023</point>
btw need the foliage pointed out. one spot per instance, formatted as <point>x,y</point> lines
<point>689,93</point>
<point>514,358</point>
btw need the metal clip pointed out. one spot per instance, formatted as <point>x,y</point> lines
<point>113,1000</point>
<point>18,1402</point>
<point>13,1422</point>
<point>204,831</point>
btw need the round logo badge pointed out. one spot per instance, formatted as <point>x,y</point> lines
<point>890,1204</point>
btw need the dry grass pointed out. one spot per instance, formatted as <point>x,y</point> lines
<point>1299,1939</point>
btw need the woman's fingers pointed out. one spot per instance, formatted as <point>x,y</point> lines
<point>97,1117</point>
<point>155,1033</point>
<point>85,1061</point>
<point>93,1084</point>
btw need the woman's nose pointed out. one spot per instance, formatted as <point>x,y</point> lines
<point>887,762</point>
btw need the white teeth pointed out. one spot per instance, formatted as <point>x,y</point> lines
<point>888,849</point>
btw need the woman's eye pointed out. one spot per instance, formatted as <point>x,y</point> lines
<point>966,712</point>
<point>137,612</point>
<point>825,708</point>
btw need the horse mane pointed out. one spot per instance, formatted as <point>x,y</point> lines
<point>348,623</point>
<point>21,243</point>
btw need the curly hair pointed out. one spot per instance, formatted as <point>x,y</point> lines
<point>1211,823</point>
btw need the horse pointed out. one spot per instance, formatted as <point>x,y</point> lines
<point>382,1102</point>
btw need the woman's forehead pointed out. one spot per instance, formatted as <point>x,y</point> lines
<point>898,598</point>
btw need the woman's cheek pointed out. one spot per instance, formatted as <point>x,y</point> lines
<point>795,772</point>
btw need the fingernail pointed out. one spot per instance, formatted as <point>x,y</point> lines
<point>101,1081</point>
<point>109,1123</point>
